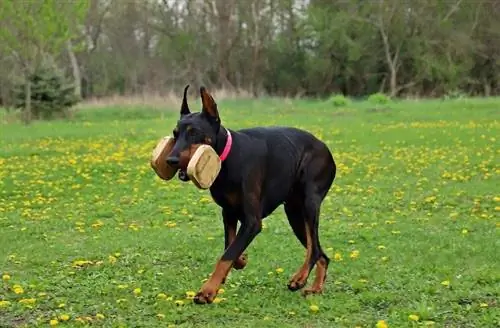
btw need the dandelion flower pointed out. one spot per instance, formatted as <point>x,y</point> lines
<point>160,316</point>
<point>27,301</point>
<point>382,324</point>
<point>64,317</point>
<point>99,316</point>
<point>190,294</point>
<point>5,277</point>
<point>112,259</point>
<point>314,308</point>
<point>413,317</point>
<point>161,296</point>
<point>53,322</point>
<point>380,247</point>
<point>354,254</point>
<point>4,304</point>
<point>279,270</point>
<point>337,257</point>
<point>18,289</point>
<point>137,291</point>
<point>445,283</point>
<point>179,302</point>
<point>217,300</point>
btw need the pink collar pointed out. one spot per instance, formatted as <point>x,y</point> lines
<point>227,148</point>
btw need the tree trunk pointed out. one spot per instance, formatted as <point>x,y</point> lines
<point>27,101</point>
<point>76,70</point>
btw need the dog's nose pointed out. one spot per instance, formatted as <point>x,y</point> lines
<point>173,161</point>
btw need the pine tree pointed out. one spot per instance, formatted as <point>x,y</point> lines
<point>51,94</point>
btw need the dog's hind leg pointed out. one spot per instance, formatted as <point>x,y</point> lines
<point>303,210</point>
<point>301,221</point>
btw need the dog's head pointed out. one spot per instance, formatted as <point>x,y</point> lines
<point>194,130</point>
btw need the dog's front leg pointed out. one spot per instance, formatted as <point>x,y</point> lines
<point>230,219</point>
<point>251,225</point>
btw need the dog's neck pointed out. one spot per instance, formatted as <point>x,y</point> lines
<point>221,140</point>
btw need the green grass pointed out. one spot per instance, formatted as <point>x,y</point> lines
<point>416,194</point>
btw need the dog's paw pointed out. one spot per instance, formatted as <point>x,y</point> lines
<point>205,296</point>
<point>241,262</point>
<point>298,281</point>
<point>312,290</point>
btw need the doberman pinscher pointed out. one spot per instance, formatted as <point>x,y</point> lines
<point>262,168</point>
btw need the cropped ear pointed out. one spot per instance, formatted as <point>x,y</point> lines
<point>185,108</point>
<point>209,105</point>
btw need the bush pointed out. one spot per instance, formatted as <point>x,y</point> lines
<point>51,94</point>
<point>339,100</point>
<point>379,99</point>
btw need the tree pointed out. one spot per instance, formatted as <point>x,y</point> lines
<point>34,29</point>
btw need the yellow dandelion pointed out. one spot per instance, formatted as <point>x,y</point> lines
<point>314,308</point>
<point>483,305</point>
<point>27,301</point>
<point>161,296</point>
<point>279,270</point>
<point>81,263</point>
<point>64,317</point>
<point>61,305</point>
<point>465,231</point>
<point>4,304</point>
<point>413,317</point>
<point>337,257</point>
<point>221,291</point>
<point>217,300</point>
<point>380,247</point>
<point>381,324</point>
<point>99,316</point>
<point>190,294</point>
<point>179,302</point>
<point>445,283</point>
<point>5,277</point>
<point>53,322</point>
<point>160,316</point>
<point>354,254</point>
<point>112,259</point>
<point>137,291</point>
<point>18,289</point>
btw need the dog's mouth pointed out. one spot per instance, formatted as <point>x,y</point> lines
<point>183,176</point>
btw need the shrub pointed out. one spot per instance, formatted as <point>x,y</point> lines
<point>51,94</point>
<point>339,100</point>
<point>379,99</point>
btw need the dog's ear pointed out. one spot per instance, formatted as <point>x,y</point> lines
<point>184,107</point>
<point>209,105</point>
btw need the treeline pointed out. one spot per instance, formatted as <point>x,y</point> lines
<point>277,47</point>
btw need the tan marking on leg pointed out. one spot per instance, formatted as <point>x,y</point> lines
<point>300,277</point>
<point>209,290</point>
<point>317,285</point>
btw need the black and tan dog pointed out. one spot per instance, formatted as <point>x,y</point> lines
<point>262,168</point>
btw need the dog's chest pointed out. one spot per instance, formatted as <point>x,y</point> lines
<point>226,198</point>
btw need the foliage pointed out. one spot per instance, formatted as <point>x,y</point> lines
<point>379,99</point>
<point>411,223</point>
<point>278,47</point>
<point>51,94</point>
<point>339,100</point>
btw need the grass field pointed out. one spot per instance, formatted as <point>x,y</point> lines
<point>90,235</point>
